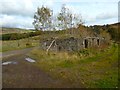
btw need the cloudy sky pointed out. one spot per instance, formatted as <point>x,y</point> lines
<point>19,13</point>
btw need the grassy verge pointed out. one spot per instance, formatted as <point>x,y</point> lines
<point>82,69</point>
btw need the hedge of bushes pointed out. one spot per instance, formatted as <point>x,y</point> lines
<point>17,36</point>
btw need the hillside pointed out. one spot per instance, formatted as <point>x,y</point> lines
<point>115,25</point>
<point>112,29</point>
<point>14,30</point>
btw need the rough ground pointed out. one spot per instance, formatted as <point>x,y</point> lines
<point>25,74</point>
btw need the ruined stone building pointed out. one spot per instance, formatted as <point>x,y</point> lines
<point>71,44</point>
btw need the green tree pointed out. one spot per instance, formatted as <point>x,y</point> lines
<point>42,18</point>
<point>67,19</point>
<point>62,17</point>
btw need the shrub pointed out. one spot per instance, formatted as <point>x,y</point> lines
<point>17,36</point>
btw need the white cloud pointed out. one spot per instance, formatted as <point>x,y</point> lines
<point>23,7</point>
<point>15,7</point>
<point>95,12</point>
<point>88,1</point>
<point>19,13</point>
<point>102,22</point>
<point>16,21</point>
<point>107,15</point>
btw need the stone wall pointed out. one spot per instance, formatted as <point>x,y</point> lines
<point>71,44</point>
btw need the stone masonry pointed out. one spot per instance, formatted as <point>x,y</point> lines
<point>71,44</point>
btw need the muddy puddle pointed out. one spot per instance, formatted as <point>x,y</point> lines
<point>9,62</point>
<point>30,60</point>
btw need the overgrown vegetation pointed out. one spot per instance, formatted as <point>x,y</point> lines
<point>82,69</point>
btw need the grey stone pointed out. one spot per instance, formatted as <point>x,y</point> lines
<point>71,43</point>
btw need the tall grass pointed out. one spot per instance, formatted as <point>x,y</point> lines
<point>84,68</point>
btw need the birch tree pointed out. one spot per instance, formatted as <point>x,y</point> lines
<point>42,18</point>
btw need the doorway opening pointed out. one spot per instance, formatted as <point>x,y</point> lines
<point>86,43</point>
<point>98,42</point>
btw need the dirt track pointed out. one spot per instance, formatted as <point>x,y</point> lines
<point>25,74</point>
<point>15,52</point>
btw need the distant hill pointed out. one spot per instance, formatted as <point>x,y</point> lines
<point>112,29</point>
<point>14,30</point>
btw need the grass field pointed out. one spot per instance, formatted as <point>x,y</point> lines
<point>19,44</point>
<point>14,30</point>
<point>90,69</point>
<point>13,44</point>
